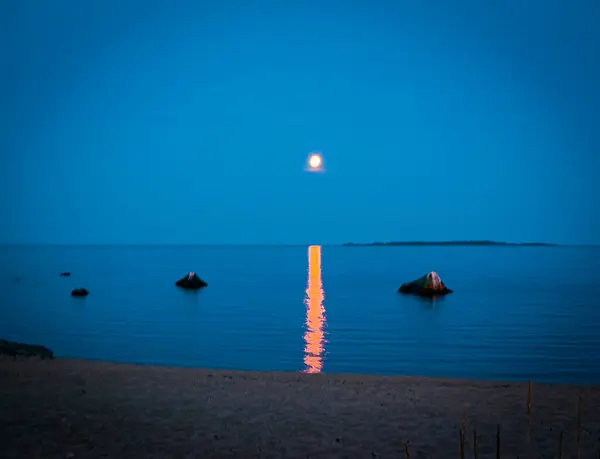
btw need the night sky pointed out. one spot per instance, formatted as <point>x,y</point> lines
<point>129,121</point>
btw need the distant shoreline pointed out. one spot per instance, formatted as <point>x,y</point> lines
<point>451,243</point>
<point>346,244</point>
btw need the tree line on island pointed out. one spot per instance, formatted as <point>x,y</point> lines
<point>450,243</point>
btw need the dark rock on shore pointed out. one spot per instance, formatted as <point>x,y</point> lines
<point>428,286</point>
<point>65,274</point>
<point>191,282</point>
<point>79,292</point>
<point>26,350</point>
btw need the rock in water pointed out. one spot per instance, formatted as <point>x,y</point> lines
<point>65,274</point>
<point>428,285</point>
<point>27,350</point>
<point>191,282</point>
<point>79,292</point>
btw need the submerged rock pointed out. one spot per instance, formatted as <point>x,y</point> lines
<point>27,350</point>
<point>191,282</point>
<point>65,274</point>
<point>79,292</point>
<point>428,285</point>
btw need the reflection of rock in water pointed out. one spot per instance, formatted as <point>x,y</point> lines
<point>430,302</point>
<point>315,313</point>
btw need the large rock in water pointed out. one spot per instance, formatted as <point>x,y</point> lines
<point>26,350</point>
<point>191,282</point>
<point>428,285</point>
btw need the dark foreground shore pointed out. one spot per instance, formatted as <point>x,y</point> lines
<point>81,409</point>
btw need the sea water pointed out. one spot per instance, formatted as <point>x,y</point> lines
<point>516,312</point>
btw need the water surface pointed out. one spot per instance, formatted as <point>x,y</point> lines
<point>517,312</point>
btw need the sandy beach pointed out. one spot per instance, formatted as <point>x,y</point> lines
<point>82,409</point>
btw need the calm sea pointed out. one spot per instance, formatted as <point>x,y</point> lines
<point>517,313</point>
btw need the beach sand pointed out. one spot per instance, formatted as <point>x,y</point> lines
<point>81,409</point>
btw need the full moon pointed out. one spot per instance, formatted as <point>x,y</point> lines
<point>314,161</point>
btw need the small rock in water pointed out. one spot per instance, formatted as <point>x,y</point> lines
<point>191,282</point>
<point>79,292</point>
<point>14,350</point>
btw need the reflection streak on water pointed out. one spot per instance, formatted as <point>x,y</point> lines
<point>315,313</point>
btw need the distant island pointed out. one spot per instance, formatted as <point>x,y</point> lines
<point>450,243</point>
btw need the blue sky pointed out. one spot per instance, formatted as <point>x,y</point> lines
<point>190,122</point>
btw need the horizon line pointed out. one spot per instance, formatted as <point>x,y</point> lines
<point>337,244</point>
